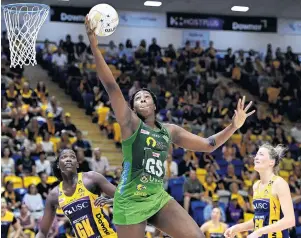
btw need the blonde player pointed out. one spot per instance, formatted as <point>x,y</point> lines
<point>274,212</point>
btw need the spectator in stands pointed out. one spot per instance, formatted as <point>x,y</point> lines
<point>7,163</point>
<point>229,61</point>
<point>26,165</point>
<point>210,206</point>
<point>42,164</point>
<point>99,163</point>
<point>83,144</point>
<point>129,48</point>
<point>47,145</point>
<point>43,187</point>
<point>7,220</point>
<point>33,200</point>
<point>29,143</point>
<point>170,52</point>
<point>211,60</point>
<point>229,150</point>
<point>65,142</point>
<point>185,166</point>
<point>83,164</point>
<point>171,168</point>
<point>12,198</point>
<point>296,132</point>
<point>59,59</point>
<point>134,88</point>
<point>287,163</point>
<point>80,48</point>
<point>26,221</point>
<point>234,213</point>
<point>193,190</point>
<point>141,52</point>
<point>68,126</point>
<point>117,176</point>
<point>69,48</point>
<point>214,227</point>
<point>54,108</point>
<point>111,52</point>
<point>5,109</point>
<point>210,186</point>
<point>230,177</point>
<point>154,49</point>
<point>234,191</point>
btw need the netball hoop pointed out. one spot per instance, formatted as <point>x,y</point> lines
<point>23,22</point>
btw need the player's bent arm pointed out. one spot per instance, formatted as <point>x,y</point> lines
<point>104,185</point>
<point>246,226</point>
<point>124,115</point>
<point>204,227</point>
<point>284,195</point>
<point>189,141</point>
<point>49,213</point>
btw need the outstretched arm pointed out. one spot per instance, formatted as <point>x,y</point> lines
<point>102,183</point>
<point>124,115</point>
<point>49,213</point>
<point>189,141</point>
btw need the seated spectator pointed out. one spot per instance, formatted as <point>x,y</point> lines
<point>171,169</point>
<point>43,187</point>
<point>141,52</point>
<point>7,220</point>
<point>42,164</point>
<point>67,125</point>
<point>229,61</point>
<point>287,163</point>
<point>99,163</point>
<point>47,145</point>
<point>193,190</point>
<point>33,200</point>
<point>12,198</point>
<point>117,176</point>
<point>276,118</point>
<point>65,142</point>
<point>111,52</point>
<point>83,164</point>
<point>154,49</point>
<point>185,166</point>
<point>170,52</point>
<point>214,227</point>
<point>54,108</point>
<point>83,144</point>
<point>249,207</point>
<point>59,59</point>
<point>26,166</point>
<point>294,187</point>
<point>42,92</point>
<point>210,206</point>
<point>230,177</point>
<point>229,151</point>
<point>27,222</point>
<point>234,191</point>
<point>49,126</point>
<point>234,213</point>
<point>209,186</point>
<point>7,163</point>
<point>296,132</point>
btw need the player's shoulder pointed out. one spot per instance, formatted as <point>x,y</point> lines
<point>54,195</point>
<point>256,184</point>
<point>280,182</point>
<point>91,175</point>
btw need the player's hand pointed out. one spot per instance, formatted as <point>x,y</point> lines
<point>91,32</point>
<point>230,232</point>
<point>101,201</point>
<point>241,113</point>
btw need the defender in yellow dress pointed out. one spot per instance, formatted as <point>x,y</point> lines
<point>78,196</point>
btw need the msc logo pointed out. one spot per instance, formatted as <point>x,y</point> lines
<point>150,141</point>
<point>140,187</point>
<point>261,205</point>
<point>76,208</point>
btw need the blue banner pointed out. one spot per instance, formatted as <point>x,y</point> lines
<point>143,19</point>
<point>289,27</point>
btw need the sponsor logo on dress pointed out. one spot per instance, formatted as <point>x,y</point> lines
<point>145,132</point>
<point>156,154</point>
<point>140,187</point>
<point>150,141</point>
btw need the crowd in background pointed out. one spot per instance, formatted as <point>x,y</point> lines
<point>196,87</point>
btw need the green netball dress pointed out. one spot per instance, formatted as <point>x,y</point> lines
<point>140,193</point>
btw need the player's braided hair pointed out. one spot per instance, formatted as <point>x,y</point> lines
<point>55,166</point>
<point>143,89</point>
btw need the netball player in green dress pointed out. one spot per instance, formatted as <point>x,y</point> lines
<point>140,196</point>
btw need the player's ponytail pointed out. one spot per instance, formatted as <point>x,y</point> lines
<point>276,153</point>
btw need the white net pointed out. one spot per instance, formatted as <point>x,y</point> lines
<point>23,22</point>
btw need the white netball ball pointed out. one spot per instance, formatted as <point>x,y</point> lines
<point>104,18</point>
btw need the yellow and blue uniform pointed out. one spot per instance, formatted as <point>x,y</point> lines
<point>6,221</point>
<point>215,232</point>
<point>267,209</point>
<point>87,220</point>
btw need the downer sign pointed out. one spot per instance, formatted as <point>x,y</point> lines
<point>220,22</point>
<point>68,14</point>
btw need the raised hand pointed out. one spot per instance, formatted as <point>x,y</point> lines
<point>90,32</point>
<point>241,113</point>
<point>101,201</point>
